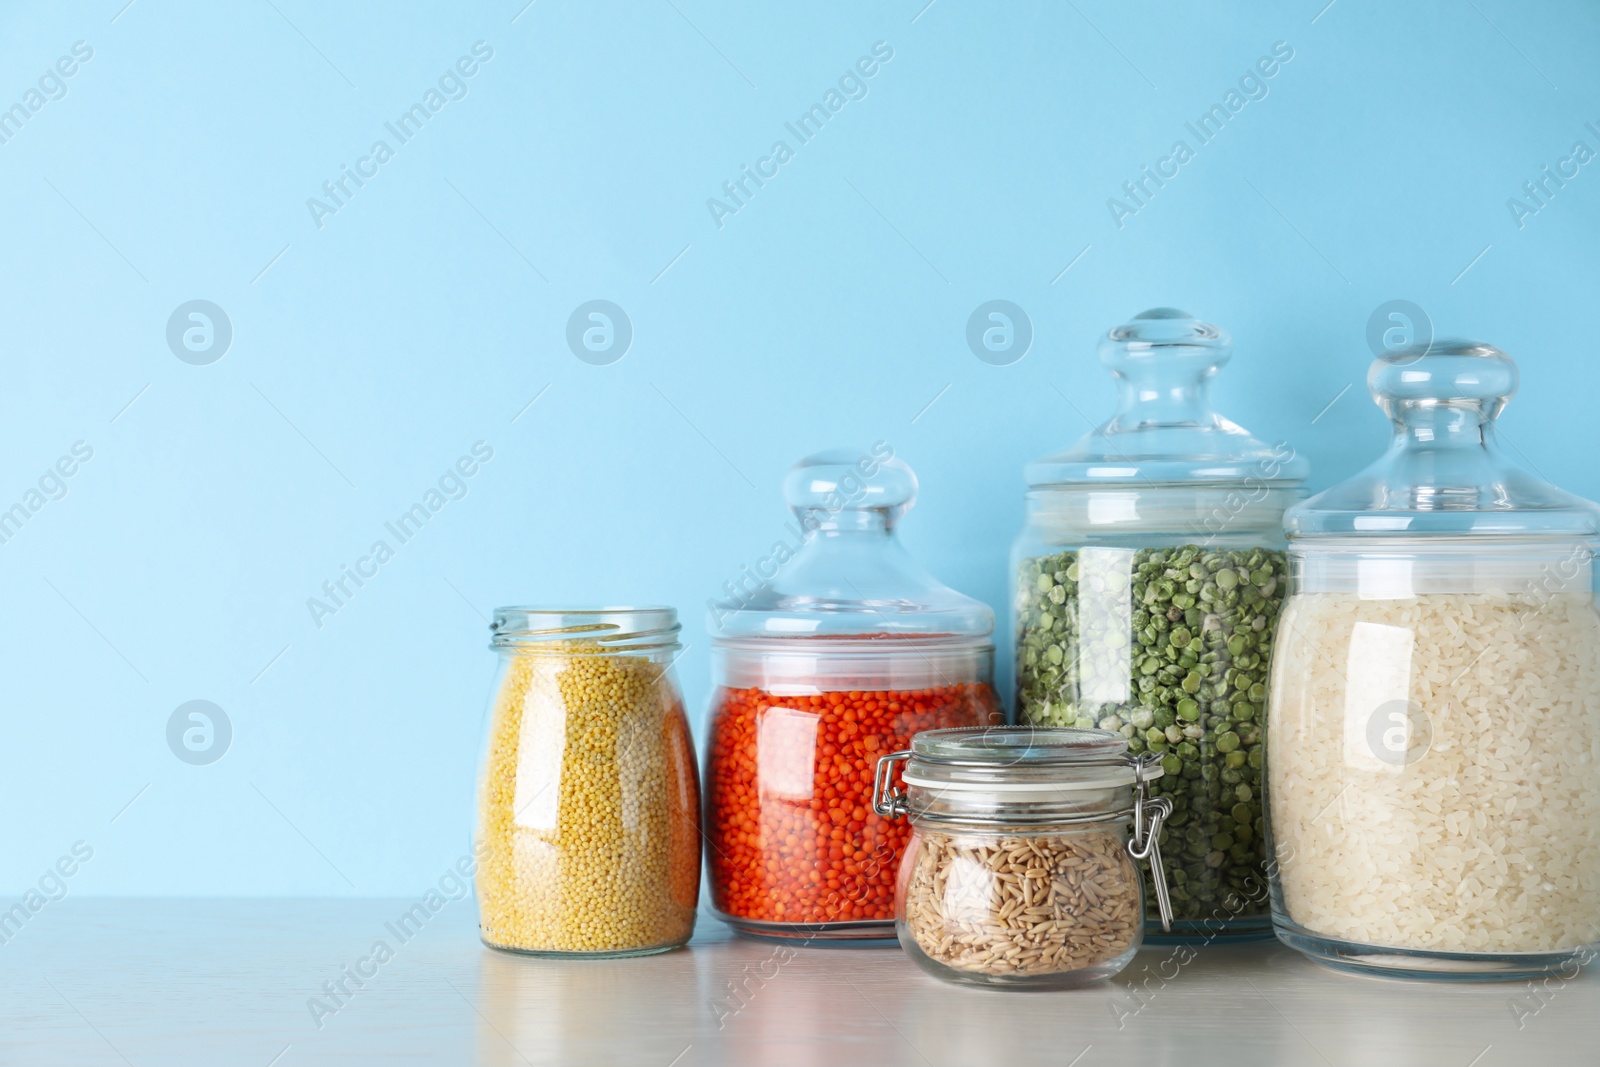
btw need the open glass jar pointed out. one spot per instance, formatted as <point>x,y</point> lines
<point>1147,586</point>
<point>588,806</point>
<point>1435,712</point>
<point>845,649</point>
<point>1020,870</point>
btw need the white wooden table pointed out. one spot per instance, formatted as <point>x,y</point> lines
<point>225,982</point>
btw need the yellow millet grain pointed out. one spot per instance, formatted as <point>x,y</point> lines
<point>587,832</point>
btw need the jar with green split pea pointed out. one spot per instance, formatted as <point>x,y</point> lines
<point>1146,589</point>
<point>588,837</point>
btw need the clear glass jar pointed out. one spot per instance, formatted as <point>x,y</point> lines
<point>588,837</point>
<point>846,649</point>
<point>1435,716</point>
<point>1020,870</point>
<point>1146,590</point>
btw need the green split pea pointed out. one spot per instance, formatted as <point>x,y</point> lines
<point>1170,647</point>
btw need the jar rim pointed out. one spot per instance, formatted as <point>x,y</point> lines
<point>604,629</point>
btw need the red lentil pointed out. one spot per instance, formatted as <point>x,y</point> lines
<point>792,834</point>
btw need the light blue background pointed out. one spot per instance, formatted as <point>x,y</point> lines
<point>830,310</point>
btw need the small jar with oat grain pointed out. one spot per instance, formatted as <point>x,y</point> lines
<point>1020,870</point>
<point>588,806</point>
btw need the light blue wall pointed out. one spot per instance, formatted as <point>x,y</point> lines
<point>426,313</point>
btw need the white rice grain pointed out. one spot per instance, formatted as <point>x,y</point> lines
<point>1490,841</point>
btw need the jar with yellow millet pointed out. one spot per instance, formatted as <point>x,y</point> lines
<point>588,840</point>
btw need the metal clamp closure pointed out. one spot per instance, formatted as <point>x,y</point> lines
<point>1146,843</point>
<point>887,801</point>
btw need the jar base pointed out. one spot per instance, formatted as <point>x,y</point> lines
<point>1383,961</point>
<point>1039,983</point>
<point>1197,932</point>
<point>867,933</point>
<point>601,954</point>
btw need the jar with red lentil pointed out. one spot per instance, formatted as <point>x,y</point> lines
<point>834,649</point>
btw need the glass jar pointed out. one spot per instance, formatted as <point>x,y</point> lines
<point>1020,870</point>
<point>1435,712</point>
<point>845,649</point>
<point>1147,586</point>
<point>588,807</point>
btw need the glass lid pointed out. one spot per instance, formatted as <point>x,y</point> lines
<point>1443,473</point>
<point>1164,430</point>
<point>1023,758</point>
<point>1013,745</point>
<point>839,570</point>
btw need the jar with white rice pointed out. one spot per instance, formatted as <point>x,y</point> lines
<point>1433,772</point>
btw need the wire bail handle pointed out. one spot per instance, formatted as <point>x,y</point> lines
<point>1146,843</point>
<point>886,800</point>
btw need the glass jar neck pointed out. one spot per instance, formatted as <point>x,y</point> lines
<point>1401,568</point>
<point>833,522</point>
<point>1154,395</point>
<point>803,666</point>
<point>1434,426</point>
<point>1250,511</point>
<point>651,631</point>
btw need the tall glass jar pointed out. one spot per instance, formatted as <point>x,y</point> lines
<point>588,806</point>
<point>1020,870</point>
<point>1435,717</point>
<point>844,651</point>
<point>1147,586</point>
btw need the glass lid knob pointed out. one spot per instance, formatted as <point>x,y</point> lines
<point>847,480</point>
<point>1459,375</point>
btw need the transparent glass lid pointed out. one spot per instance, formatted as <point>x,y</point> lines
<point>1164,430</point>
<point>1017,745</point>
<point>839,571</point>
<point>1022,759</point>
<point>1444,473</point>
